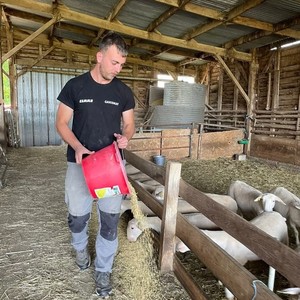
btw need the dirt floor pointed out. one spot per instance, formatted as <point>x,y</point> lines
<point>37,261</point>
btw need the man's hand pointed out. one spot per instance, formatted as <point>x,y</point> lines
<point>122,141</point>
<point>79,152</point>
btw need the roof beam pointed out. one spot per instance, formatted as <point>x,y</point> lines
<point>69,14</point>
<point>69,46</point>
<point>236,11</point>
<point>279,28</point>
<point>29,39</point>
<point>152,36</point>
<point>112,15</point>
<point>216,15</point>
<point>166,15</point>
<point>230,74</point>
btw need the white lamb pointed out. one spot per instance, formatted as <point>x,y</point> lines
<point>244,194</point>
<point>184,207</point>
<point>269,221</point>
<point>291,211</point>
<point>135,229</point>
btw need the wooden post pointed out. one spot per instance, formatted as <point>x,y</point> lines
<point>252,97</point>
<point>220,93</point>
<point>168,226</point>
<point>298,119</point>
<point>194,143</point>
<point>236,92</point>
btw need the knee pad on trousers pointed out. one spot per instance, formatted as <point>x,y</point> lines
<point>109,225</point>
<point>77,223</point>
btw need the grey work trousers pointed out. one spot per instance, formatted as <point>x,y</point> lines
<point>80,202</point>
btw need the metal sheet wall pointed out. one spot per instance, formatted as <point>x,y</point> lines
<point>37,104</point>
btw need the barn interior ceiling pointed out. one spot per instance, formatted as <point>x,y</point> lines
<point>168,35</point>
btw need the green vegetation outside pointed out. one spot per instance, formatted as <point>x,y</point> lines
<point>6,86</point>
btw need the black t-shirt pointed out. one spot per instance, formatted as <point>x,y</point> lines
<point>97,110</point>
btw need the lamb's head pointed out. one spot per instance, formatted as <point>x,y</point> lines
<point>159,193</point>
<point>180,246</point>
<point>268,201</point>
<point>133,230</point>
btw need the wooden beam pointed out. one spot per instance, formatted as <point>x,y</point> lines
<point>29,39</point>
<point>168,228</point>
<point>166,15</point>
<point>39,58</point>
<point>152,36</point>
<point>217,15</point>
<point>236,11</point>
<point>230,74</point>
<point>112,15</point>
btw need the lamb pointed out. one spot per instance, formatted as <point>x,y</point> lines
<point>135,228</point>
<point>186,208</point>
<point>286,196</point>
<point>183,207</point>
<point>291,211</point>
<point>244,195</point>
<point>271,222</point>
<point>134,231</point>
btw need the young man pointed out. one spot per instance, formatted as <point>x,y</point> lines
<point>100,104</point>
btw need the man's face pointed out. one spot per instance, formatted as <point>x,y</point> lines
<point>110,62</point>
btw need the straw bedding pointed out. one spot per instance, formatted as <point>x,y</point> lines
<point>37,261</point>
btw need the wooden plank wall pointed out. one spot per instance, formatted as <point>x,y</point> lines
<point>220,144</point>
<point>183,143</point>
<point>276,149</point>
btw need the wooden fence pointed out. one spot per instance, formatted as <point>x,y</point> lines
<point>277,123</point>
<point>193,142</point>
<point>239,280</point>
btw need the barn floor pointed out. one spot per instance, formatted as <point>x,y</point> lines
<point>37,261</point>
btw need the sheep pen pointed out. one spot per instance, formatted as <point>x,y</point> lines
<point>36,258</point>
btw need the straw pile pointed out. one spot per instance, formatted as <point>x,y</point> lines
<point>137,261</point>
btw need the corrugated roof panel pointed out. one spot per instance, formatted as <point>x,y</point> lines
<point>181,23</point>
<point>131,13</point>
<point>264,41</point>
<point>274,12</point>
<point>222,34</point>
<point>98,8</point>
<point>220,5</point>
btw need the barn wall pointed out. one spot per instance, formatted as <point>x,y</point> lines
<point>276,112</point>
<point>37,105</point>
<point>276,149</point>
<point>37,93</point>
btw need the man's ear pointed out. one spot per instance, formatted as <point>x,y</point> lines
<point>99,56</point>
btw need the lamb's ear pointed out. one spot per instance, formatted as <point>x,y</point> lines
<point>258,198</point>
<point>290,291</point>
<point>279,200</point>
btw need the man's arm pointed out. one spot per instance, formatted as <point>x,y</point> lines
<point>63,117</point>
<point>128,129</point>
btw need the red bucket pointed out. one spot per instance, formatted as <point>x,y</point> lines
<point>104,173</point>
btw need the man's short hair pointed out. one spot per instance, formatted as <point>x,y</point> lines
<point>112,38</point>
